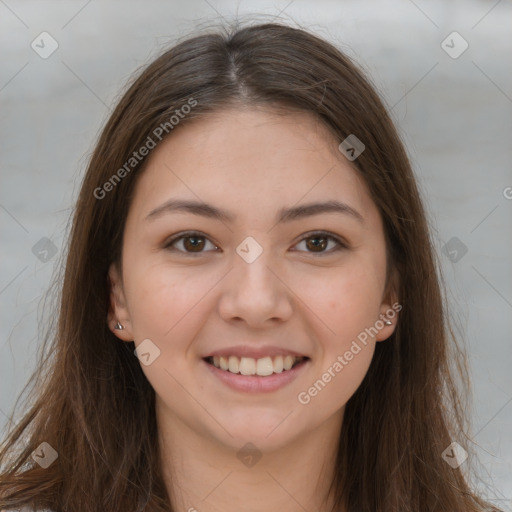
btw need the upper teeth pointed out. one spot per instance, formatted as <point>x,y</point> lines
<point>250,366</point>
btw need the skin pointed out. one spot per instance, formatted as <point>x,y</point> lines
<point>251,162</point>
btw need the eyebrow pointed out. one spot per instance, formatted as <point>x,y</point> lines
<point>284,215</point>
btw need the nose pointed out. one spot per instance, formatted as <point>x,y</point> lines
<point>255,293</point>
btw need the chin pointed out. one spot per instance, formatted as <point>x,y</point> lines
<point>268,432</point>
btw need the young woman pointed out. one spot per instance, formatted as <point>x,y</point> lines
<point>251,316</point>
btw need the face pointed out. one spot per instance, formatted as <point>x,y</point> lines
<point>252,278</point>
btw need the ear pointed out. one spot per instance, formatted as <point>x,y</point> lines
<point>389,307</point>
<point>118,311</point>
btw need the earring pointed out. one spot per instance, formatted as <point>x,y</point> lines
<point>388,322</point>
<point>118,326</point>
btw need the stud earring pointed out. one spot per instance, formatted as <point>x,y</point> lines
<point>118,326</point>
<point>388,322</point>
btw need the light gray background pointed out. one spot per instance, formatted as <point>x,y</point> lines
<point>454,114</point>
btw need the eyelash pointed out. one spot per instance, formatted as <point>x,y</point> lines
<point>315,234</point>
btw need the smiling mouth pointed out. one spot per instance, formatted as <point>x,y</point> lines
<point>262,367</point>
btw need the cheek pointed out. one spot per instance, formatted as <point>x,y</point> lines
<point>165,303</point>
<point>347,300</point>
<point>167,306</point>
<point>348,304</point>
<point>340,378</point>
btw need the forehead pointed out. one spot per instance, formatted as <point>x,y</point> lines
<point>251,157</point>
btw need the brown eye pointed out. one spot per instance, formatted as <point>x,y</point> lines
<point>189,243</point>
<point>193,243</point>
<point>318,242</point>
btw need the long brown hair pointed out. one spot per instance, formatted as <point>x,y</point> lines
<point>92,403</point>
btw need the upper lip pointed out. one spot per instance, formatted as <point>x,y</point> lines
<point>254,352</point>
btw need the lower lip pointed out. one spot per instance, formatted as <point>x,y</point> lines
<point>255,383</point>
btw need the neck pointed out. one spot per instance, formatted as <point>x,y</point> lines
<point>203,475</point>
